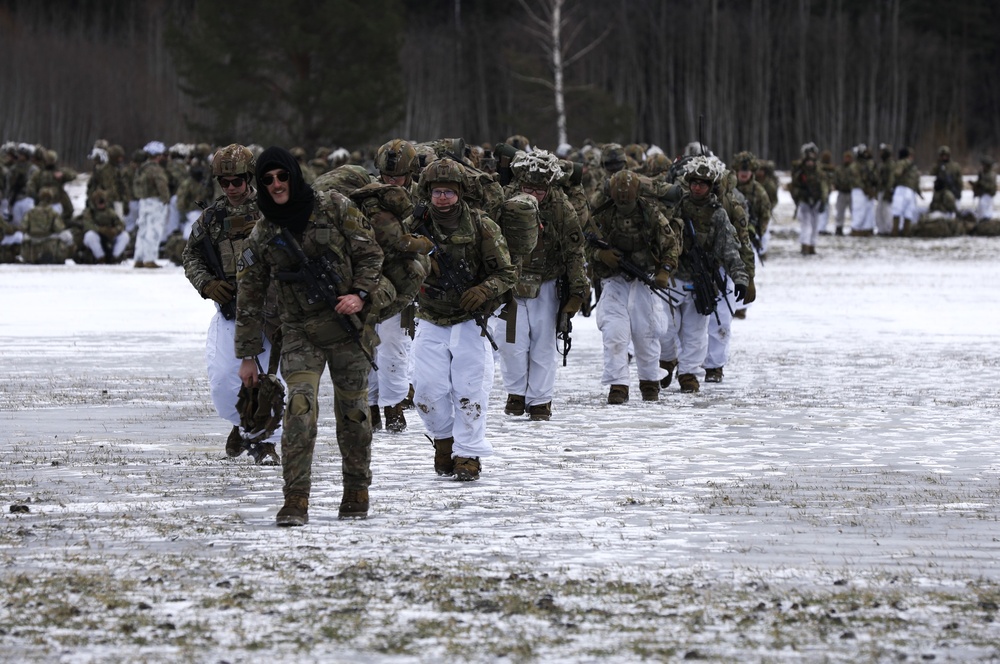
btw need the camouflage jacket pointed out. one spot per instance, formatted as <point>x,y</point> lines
<point>386,206</point>
<point>105,222</point>
<point>559,251</point>
<point>106,177</point>
<point>151,182</point>
<point>42,221</point>
<point>48,177</point>
<point>714,233</point>
<point>842,178</point>
<point>192,191</point>
<point>758,205</point>
<point>337,231</point>
<point>479,243</point>
<point>864,177</point>
<point>228,229</point>
<point>885,176</point>
<point>808,185</point>
<point>644,236</point>
<point>177,171</point>
<point>735,206</point>
<point>986,184</point>
<point>907,174</point>
<point>950,174</point>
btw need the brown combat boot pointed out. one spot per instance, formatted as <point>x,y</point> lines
<point>376,417</point>
<point>805,249</point>
<point>295,512</point>
<point>906,228</point>
<point>895,227</point>
<point>650,390</point>
<point>515,405</point>
<point>668,366</point>
<point>713,375</point>
<point>234,444</point>
<point>688,383</point>
<point>740,313</point>
<point>540,412</point>
<point>467,468</point>
<point>618,394</point>
<point>395,421</point>
<point>354,504</point>
<point>444,465</point>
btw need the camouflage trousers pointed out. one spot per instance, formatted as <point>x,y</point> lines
<point>302,364</point>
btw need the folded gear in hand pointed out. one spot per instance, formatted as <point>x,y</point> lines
<point>261,409</point>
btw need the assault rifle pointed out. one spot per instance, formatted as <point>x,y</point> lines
<point>633,271</point>
<point>706,279</point>
<point>564,321</point>
<point>754,233</point>
<point>212,259</point>
<point>322,281</point>
<point>455,275</point>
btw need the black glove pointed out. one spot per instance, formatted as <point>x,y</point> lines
<point>740,291</point>
<point>822,207</point>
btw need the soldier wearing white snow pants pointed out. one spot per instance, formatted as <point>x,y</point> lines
<point>153,192</point>
<point>632,229</point>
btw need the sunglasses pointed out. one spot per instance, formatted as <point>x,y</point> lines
<point>268,179</point>
<point>237,182</point>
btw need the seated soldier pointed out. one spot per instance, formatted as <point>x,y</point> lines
<point>46,239</point>
<point>103,230</point>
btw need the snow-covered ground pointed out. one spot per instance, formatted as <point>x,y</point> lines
<point>835,499</point>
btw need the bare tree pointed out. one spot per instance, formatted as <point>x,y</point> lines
<point>547,25</point>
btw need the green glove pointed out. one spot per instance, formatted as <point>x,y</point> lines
<point>474,298</point>
<point>609,257</point>
<point>219,290</point>
<point>572,305</point>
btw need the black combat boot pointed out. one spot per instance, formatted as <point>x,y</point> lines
<point>515,405</point>
<point>668,366</point>
<point>376,417</point>
<point>713,375</point>
<point>234,444</point>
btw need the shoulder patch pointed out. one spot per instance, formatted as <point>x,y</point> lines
<point>245,260</point>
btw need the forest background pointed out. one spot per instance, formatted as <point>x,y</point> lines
<point>767,75</point>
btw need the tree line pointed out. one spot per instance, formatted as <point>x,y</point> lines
<point>765,75</point>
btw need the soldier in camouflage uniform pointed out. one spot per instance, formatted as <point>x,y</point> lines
<point>627,312</point>
<point>528,344</point>
<point>864,188</point>
<point>19,200</point>
<point>758,206</point>
<point>55,177</point>
<point>885,178</point>
<point>46,239</point>
<point>842,185</point>
<point>985,188</point>
<point>331,231</point>
<point>386,204</point>
<point>829,172</point>
<point>224,229</point>
<point>308,174</point>
<point>767,176</point>
<point>152,190</point>
<point>810,193</point>
<point>948,181</point>
<point>453,362</point>
<point>905,193</point>
<point>685,343</point>
<point>103,230</point>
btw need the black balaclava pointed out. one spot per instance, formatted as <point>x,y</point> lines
<point>293,215</point>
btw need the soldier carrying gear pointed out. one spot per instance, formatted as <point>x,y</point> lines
<point>613,158</point>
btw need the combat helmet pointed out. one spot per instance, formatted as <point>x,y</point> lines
<point>809,151</point>
<point>657,163</point>
<point>46,195</point>
<point>706,169</point>
<point>537,168</point>
<point>234,159</point>
<point>613,157</point>
<point>518,142</point>
<point>442,170</point>
<point>396,158</point>
<point>745,161</point>
<point>623,187</point>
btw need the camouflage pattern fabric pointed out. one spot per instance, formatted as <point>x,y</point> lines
<point>758,205</point>
<point>714,233</point>
<point>644,236</point>
<point>479,242</point>
<point>151,182</point>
